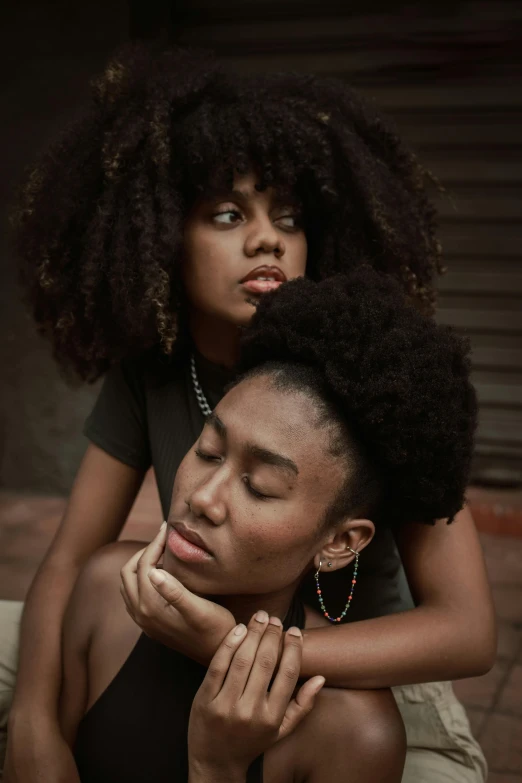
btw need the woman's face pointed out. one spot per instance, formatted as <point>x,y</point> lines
<point>231,239</point>
<point>255,490</point>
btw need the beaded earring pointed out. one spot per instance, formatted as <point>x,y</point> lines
<point>348,603</point>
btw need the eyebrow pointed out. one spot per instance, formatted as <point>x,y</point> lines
<point>216,423</point>
<point>225,194</point>
<point>272,458</point>
<point>258,452</point>
<point>281,197</point>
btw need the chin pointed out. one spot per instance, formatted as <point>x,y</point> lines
<point>188,576</point>
<point>240,314</point>
<point>244,317</point>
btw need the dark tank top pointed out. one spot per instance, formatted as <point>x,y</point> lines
<point>136,730</point>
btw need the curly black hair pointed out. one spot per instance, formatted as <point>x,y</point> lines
<point>397,383</point>
<point>98,227</point>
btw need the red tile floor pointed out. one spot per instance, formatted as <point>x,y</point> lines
<point>494,702</point>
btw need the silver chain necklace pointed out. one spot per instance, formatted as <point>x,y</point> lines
<point>204,407</point>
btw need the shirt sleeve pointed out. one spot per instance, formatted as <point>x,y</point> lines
<point>118,421</point>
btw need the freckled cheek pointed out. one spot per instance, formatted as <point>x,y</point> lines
<point>275,541</point>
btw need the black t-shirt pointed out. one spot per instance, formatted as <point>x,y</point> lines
<point>147,415</point>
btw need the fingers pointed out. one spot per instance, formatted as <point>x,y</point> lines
<point>288,671</point>
<point>301,706</point>
<point>132,572</point>
<point>168,587</point>
<point>220,663</point>
<point>149,559</point>
<point>241,665</point>
<point>129,582</point>
<point>152,554</point>
<point>265,660</point>
<point>131,566</point>
<point>128,605</point>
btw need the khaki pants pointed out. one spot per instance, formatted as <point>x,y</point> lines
<point>441,748</point>
<point>10,616</point>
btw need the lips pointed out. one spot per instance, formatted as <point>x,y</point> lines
<point>191,536</point>
<point>265,273</point>
<point>263,279</point>
<point>187,546</point>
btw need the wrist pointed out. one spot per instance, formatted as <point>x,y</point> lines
<point>206,652</point>
<point>204,772</point>
<point>27,717</point>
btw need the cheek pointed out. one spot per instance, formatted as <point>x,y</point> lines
<point>208,274</point>
<point>208,251</point>
<point>184,481</point>
<point>296,255</point>
<point>271,537</point>
<point>201,262</point>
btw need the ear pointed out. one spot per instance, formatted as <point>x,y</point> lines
<point>353,534</point>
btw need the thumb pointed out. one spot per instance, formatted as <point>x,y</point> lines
<point>299,707</point>
<point>168,587</point>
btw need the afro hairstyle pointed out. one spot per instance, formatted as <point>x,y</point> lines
<point>99,222</point>
<point>397,382</point>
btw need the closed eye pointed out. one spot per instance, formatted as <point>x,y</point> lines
<point>246,481</point>
<point>206,457</point>
<point>253,491</point>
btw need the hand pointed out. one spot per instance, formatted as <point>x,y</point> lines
<point>166,611</point>
<point>36,751</point>
<point>234,717</point>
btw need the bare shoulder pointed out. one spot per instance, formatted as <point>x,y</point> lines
<point>354,736</point>
<point>104,566</point>
<point>96,594</point>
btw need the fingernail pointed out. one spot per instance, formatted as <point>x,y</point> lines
<point>275,621</point>
<point>239,630</point>
<point>261,616</point>
<point>319,684</point>
<point>156,576</point>
<point>293,631</point>
<point>163,525</point>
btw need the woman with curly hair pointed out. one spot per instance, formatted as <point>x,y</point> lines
<point>148,235</point>
<point>322,433</point>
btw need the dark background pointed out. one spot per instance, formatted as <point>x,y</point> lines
<point>450,74</point>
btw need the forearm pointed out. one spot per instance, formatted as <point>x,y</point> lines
<point>100,501</point>
<point>425,644</point>
<point>205,774</point>
<point>39,668</point>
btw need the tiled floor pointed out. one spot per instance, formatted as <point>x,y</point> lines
<point>494,701</point>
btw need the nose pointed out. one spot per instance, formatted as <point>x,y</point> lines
<point>207,498</point>
<point>264,238</point>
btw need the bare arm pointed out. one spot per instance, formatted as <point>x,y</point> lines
<point>102,496</point>
<point>95,596</point>
<point>449,635</point>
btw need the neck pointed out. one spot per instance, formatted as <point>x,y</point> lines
<point>216,340</point>
<point>244,606</point>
